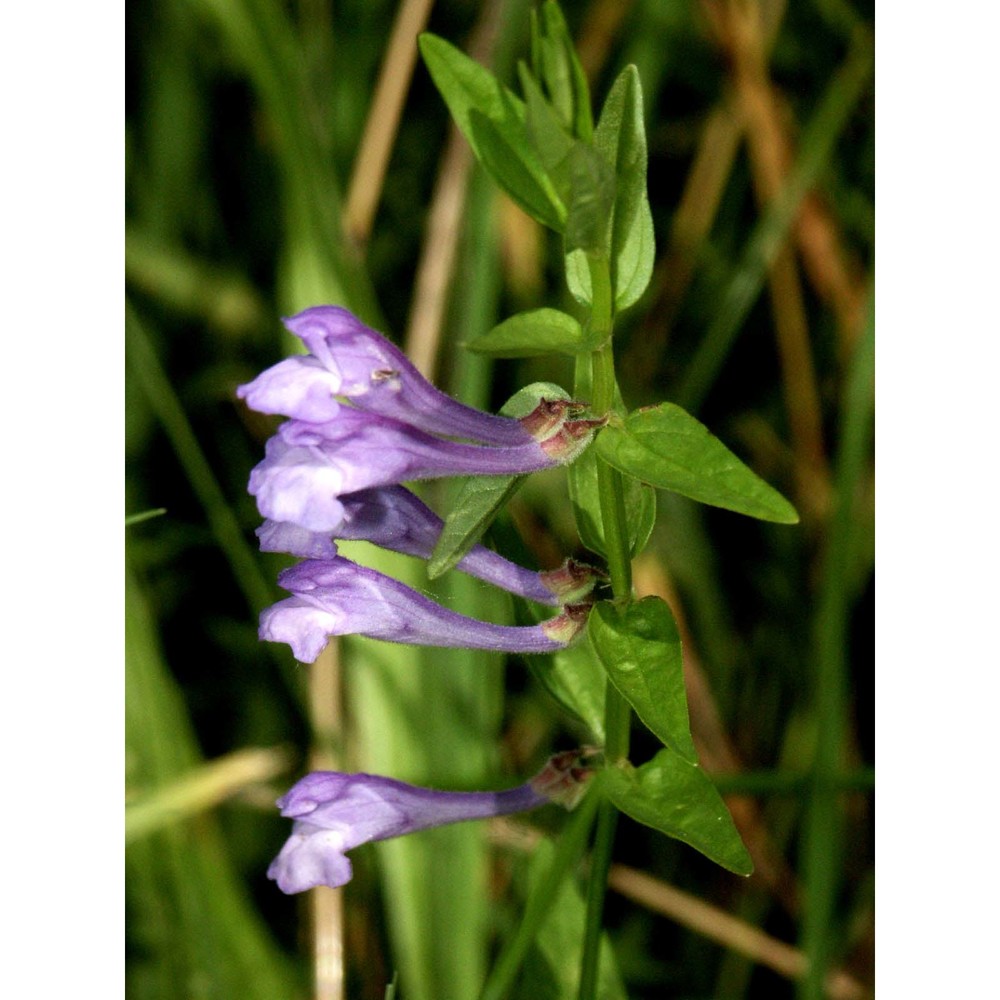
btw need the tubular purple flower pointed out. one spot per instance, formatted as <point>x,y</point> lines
<point>307,466</point>
<point>338,597</point>
<point>336,812</point>
<point>393,518</point>
<point>348,359</point>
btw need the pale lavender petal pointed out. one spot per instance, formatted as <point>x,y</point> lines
<point>311,856</point>
<point>298,386</point>
<point>302,624</point>
<point>377,376</point>
<point>297,485</point>
<point>283,536</point>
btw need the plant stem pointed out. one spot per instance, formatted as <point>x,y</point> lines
<point>617,713</point>
<point>540,899</point>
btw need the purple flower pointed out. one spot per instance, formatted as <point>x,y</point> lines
<point>338,597</point>
<point>348,359</point>
<point>335,812</point>
<point>393,518</point>
<point>308,466</point>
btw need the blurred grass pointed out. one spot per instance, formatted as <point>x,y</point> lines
<point>243,120</point>
<point>193,930</point>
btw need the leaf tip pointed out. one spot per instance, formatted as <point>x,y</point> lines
<point>785,513</point>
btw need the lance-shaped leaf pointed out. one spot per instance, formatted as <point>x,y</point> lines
<point>666,447</point>
<point>582,177</point>
<point>492,119</point>
<point>674,796</point>
<point>554,61</point>
<point>534,333</point>
<point>478,502</point>
<point>640,649</point>
<point>620,138</point>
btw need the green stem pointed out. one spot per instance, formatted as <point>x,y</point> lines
<point>617,713</point>
<point>822,837</point>
<point>540,900</point>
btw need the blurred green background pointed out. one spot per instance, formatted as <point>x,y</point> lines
<point>281,155</point>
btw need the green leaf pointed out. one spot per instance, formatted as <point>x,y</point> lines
<point>640,506</point>
<point>523,180</point>
<point>640,649</point>
<point>493,120</point>
<point>592,195</point>
<point>481,498</point>
<point>555,62</point>
<point>632,264</point>
<point>576,679</point>
<point>479,501</point>
<point>581,176</point>
<point>620,138</point>
<point>666,447</point>
<point>578,276</point>
<point>674,796</point>
<point>529,334</point>
<point>551,140</point>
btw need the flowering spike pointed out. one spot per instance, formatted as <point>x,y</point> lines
<point>350,360</point>
<point>336,812</point>
<point>338,597</point>
<point>308,465</point>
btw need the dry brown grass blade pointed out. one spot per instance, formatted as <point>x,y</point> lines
<point>715,751</point>
<point>327,905</point>
<point>444,225</point>
<point>437,259</point>
<point>371,162</point>
<point>600,27</point>
<point>836,279</point>
<point>706,182</point>
<point>744,38</point>
<point>746,29</point>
